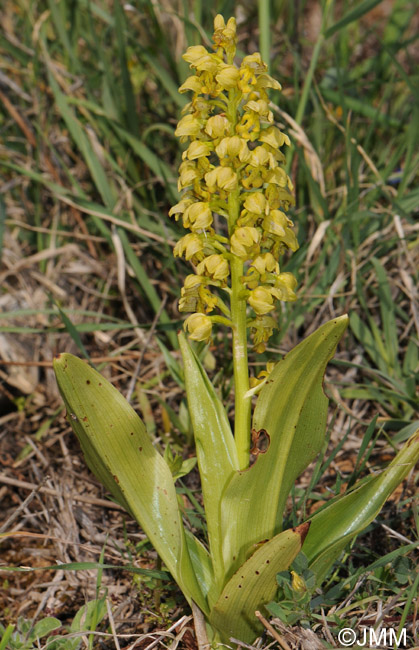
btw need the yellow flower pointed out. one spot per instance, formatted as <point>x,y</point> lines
<point>198,149</point>
<point>194,53</point>
<point>255,202</point>
<point>191,247</point>
<point>245,242</point>
<point>284,288</point>
<point>261,300</point>
<point>197,216</point>
<point>274,137</point>
<point>265,263</point>
<point>192,83</point>
<point>275,223</point>
<point>188,173</point>
<point>262,328</point>
<point>214,266</point>
<point>180,208</point>
<point>227,76</point>
<point>188,126</point>
<point>223,178</point>
<point>217,126</point>
<point>199,327</point>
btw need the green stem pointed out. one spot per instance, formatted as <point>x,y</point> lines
<point>264,14</point>
<point>240,363</point>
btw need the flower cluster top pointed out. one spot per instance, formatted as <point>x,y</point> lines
<point>235,190</point>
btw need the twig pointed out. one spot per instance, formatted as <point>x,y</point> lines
<point>200,628</point>
<point>272,631</point>
<point>22,506</point>
<point>112,624</point>
<point>45,490</point>
<point>143,351</point>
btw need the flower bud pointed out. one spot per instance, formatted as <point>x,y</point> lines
<point>199,327</point>
<point>297,583</point>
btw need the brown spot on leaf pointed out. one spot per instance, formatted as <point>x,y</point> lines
<point>260,441</point>
<point>140,448</point>
<point>87,381</point>
<point>302,530</point>
<point>116,478</point>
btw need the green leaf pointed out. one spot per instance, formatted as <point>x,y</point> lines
<point>336,524</point>
<point>292,409</point>
<point>119,451</point>
<point>254,585</point>
<point>215,448</point>
<point>45,626</point>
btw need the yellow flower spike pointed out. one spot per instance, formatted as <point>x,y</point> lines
<point>214,266</point>
<point>199,327</point>
<point>261,300</point>
<point>245,184</point>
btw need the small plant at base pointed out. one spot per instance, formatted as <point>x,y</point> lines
<point>231,170</point>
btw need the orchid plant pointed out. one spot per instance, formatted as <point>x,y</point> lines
<point>235,196</point>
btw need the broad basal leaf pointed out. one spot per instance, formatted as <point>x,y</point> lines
<point>254,585</point>
<point>119,451</point>
<point>336,524</point>
<point>292,411</point>
<point>215,448</point>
